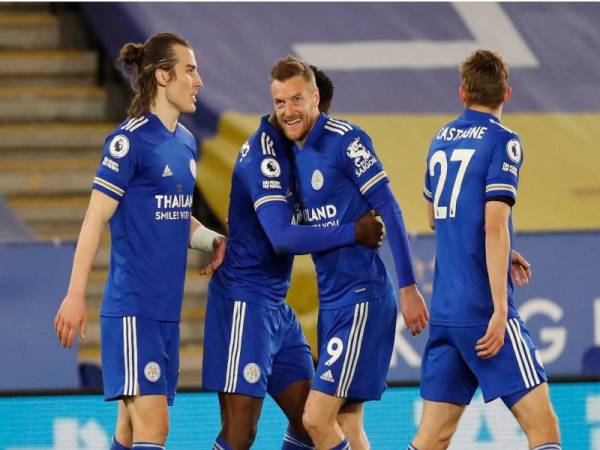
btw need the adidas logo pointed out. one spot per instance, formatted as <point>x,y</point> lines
<point>167,172</point>
<point>327,376</point>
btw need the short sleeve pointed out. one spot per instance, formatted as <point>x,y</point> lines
<point>503,171</point>
<point>117,167</point>
<point>361,163</point>
<point>261,173</point>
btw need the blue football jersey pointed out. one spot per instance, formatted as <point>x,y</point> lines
<point>251,270</point>
<point>471,160</point>
<point>151,172</point>
<point>336,168</point>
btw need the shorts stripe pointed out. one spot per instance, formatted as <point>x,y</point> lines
<point>528,353</point>
<point>361,311</point>
<point>130,356</point>
<point>135,356</point>
<point>125,357</point>
<point>235,346</point>
<point>522,352</point>
<point>519,350</point>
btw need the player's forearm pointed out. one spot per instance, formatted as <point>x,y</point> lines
<point>384,202</point>
<point>85,253</point>
<point>301,239</point>
<point>497,251</point>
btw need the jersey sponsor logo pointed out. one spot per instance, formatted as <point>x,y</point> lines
<point>173,203</point>
<point>252,373</point>
<point>317,180</point>
<point>270,168</point>
<point>167,172</point>
<point>513,150</point>
<point>193,168</point>
<point>152,371</point>
<point>506,167</point>
<point>325,212</point>
<point>271,184</point>
<point>112,165</point>
<point>119,146</point>
<point>363,159</point>
<point>327,376</point>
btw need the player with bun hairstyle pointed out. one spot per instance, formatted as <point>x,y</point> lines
<point>143,188</point>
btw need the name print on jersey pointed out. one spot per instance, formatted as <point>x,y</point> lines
<point>453,134</point>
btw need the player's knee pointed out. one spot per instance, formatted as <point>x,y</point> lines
<point>312,422</point>
<point>239,437</point>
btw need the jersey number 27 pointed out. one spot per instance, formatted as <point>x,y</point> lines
<point>439,158</point>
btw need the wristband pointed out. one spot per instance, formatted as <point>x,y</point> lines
<point>203,238</point>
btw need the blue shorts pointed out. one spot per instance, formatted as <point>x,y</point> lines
<point>355,348</point>
<point>139,357</point>
<point>451,369</point>
<point>252,349</point>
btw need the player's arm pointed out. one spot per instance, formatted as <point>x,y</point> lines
<point>430,215</point>
<point>207,240</point>
<point>276,220</point>
<point>412,304</point>
<point>497,251</point>
<point>70,317</point>
<point>357,152</point>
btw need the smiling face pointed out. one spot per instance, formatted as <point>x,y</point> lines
<point>296,103</point>
<point>185,82</point>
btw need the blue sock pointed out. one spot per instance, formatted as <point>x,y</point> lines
<point>147,446</point>
<point>344,445</point>
<point>549,446</point>
<point>117,446</point>
<point>292,441</point>
<point>411,447</point>
<point>220,444</point>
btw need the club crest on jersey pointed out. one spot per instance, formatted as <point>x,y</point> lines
<point>152,371</point>
<point>252,373</point>
<point>270,168</point>
<point>317,180</point>
<point>193,167</point>
<point>513,150</point>
<point>119,146</point>
<point>363,159</point>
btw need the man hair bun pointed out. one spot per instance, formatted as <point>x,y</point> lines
<point>131,54</point>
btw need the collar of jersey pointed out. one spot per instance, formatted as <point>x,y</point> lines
<point>314,134</point>
<point>155,120</point>
<point>264,121</point>
<point>470,115</point>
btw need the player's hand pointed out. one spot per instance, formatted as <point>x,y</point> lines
<point>520,269</point>
<point>493,340</point>
<point>369,230</point>
<point>70,318</point>
<point>413,308</point>
<point>219,246</point>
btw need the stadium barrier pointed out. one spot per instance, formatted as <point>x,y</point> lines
<point>85,422</point>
